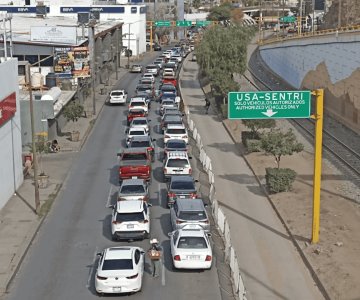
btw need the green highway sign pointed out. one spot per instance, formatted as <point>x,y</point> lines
<point>203,23</point>
<point>264,105</point>
<point>288,19</point>
<point>183,23</point>
<point>162,23</point>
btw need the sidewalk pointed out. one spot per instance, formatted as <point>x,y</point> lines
<point>270,266</point>
<point>18,220</point>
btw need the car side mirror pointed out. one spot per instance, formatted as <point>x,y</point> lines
<point>209,234</point>
<point>142,252</point>
<point>196,180</point>
<point>206,205</point>
<point>149,205</point>
<point>99,254</point>
<point>190,157</point>
<point>170,234</point>
<point>111,206</point>
<point>153,140</point>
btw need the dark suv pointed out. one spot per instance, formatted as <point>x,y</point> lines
<point>181,187</point>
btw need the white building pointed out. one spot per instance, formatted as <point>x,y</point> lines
<point>11,172</point>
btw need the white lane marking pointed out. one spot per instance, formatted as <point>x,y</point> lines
<point>91,271</point>
<point>109,197</point>
<point>162,273</point>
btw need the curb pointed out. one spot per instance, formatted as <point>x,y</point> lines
<point>294,241</point>
<point>29,242</point>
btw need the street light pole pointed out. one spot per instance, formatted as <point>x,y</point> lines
<point>33,144</point>
<point>92,61</point>
<point>128,53</point>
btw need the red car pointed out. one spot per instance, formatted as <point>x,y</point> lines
<point>135,113</point>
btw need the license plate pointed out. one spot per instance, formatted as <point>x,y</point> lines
<point>117,289</point>
<point>134,177</point>
<point>193,257</point>
<point>182,197</point>
<point>130,226</point>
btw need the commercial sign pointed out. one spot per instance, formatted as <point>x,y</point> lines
<point>102,9</point>
<point>264,105</point>
<point>7,108</point>
<point>53,34</point>
<point>71,62</point>
<point>21,9</point>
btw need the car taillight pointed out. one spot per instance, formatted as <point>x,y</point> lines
<point>184,137</point>
<point>206,222</point>
<point>190,171</point>
<point>166,136</point>
<point>116,222</point>
<point>165,171</point>
<point>100,277</point>
<point>145,198</point>
<point>193,196</point>
<point>171,195</point>
<point>150,149</point>
<point>177,257</point>
<point>179,222</point>
<point>146,221</point>
<point>133,277</point>
<point>208,258</point>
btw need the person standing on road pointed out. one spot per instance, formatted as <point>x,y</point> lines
<point>207,105</point>
<point>155,255</point>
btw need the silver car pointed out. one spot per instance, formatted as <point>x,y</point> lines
<point>133,189</point>
<point>189,212</point>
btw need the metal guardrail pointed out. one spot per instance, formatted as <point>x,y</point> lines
<point>347,29</point>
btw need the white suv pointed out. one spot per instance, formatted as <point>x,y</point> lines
<point>177,163</point>
<point>135,131</point>
<point>130,220</point>
<point>118,97</point>
<point>174,131</point>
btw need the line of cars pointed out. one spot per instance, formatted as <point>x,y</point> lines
<point>121,268</point>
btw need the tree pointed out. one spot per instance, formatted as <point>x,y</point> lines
<point>73,111</point>
<point>220,13</point>
<point>257,124</point>
<point>196,3</point>
<point>278,144</point>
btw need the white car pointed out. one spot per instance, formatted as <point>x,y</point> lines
<point>130,220</point>
<point>141,122</point>
<point>166,103</point>
<point>133,189</point>
<point>139,103</point>
<point>135,131</point>
<point>118,97</point>
<point>190,248</point>
<point>167,54</point>
<point>177,163</point>
<point>120,270</point>
<point>149,76</point>
<point>178,132</point>
<point>168,72</point>
<point>178,57</point>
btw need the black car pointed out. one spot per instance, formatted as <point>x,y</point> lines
<point>181,187</point>
<point>157,47</point>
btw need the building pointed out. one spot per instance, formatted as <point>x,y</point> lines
<point>11,171</point>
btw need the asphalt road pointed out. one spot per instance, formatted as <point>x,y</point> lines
<point>61,263</point>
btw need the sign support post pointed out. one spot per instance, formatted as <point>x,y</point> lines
<point>317,164</point>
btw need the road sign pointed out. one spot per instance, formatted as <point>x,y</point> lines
<point>288,19</point>
<point>265,105</point>
<point>162,23</point>
<point>183,23</point>
<point>203,23</point>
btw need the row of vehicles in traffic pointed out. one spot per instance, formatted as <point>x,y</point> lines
<point>121,268</point>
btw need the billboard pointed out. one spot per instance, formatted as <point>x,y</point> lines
<point>7,108</point>
<point>72,62</point>
<point>53,34</point>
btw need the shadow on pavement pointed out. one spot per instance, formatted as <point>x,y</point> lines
<point>226,147</point>
<point>114,175</point>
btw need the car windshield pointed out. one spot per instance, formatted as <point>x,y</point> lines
<point>132,189</point>
<point>130,217</point>
<point>168,102</point>
<point>139,144</point>
<point>117,264</point>
<point>143,88</point>
<point>176,131</point>
<point>178,163</point>
<point>182,185</point>
<point>134,156</point>
<point>192,242</point>
<point>116,93</point>
<point>168,88</point>
<point>136,112</point>
<point>151,67</point>
<point>192,215</point>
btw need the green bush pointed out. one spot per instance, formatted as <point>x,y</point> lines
<point>279,180</point>
<point>249,135</point>
<point>253,145</point>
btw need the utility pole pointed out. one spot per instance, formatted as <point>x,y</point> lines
<point>92,61</point>
<point>33,144</point>
<point>301,12</point>
<point>313,18</point>
<point>339,14</point>
<point>117,53</point>
<point>128,53</point>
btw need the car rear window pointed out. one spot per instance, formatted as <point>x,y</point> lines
<point>136,132</point>
<point>132,189</point>
<point>168,102</point>
<point>182,185</point>
<point>178,163</point>
<point>192,242</point>
<point>175,145</point>
<point>117,93</point>
<point>134,156</point>
<point>129,217</point>
<point>136,112</point>
<point>139,122</point>
<point>176,131</point>
<point>139,144</point>
<point>192,215</point>
<point>117,264</point>
<point>137,103</point>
